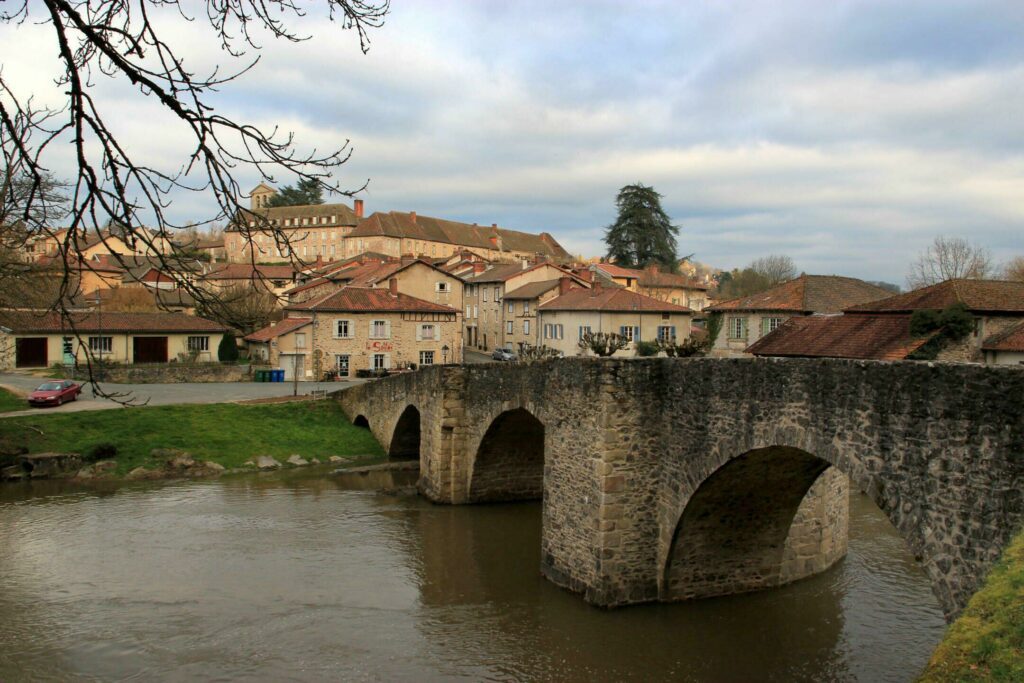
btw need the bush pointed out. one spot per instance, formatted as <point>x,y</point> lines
<point>227,352</point>
<point>647,348</point>
<point>945,327</point>
<point>101,451</point>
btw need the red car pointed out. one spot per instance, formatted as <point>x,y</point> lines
<point>54,393</point>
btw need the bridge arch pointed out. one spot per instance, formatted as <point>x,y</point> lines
<point>509,462</point>
<point>405,438</point>
<point>361,421</point>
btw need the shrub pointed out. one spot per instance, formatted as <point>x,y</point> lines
<point>228,349</point>
<point>945,327</point>
<point>101,451</point>
<point>603,344</point>
<point>647,348</point>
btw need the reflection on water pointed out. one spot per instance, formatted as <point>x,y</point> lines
<point>295,577</point>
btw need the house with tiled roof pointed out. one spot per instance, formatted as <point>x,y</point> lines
<point>37,340</point>
<point>272,278</point>
<point>653,282</point>
<point>1006,347</point>
<point>398,233</point>
<point>566,318</point>
<point>855,335</point>
<point>522,307</point>
<point>361,328</point>
<point>747,319</point>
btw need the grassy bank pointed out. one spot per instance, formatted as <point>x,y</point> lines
<point>10,402</point>
<point>987,642</point>
<point>224,433</point>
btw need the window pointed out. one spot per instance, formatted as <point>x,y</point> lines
<point>300,340</point>
<point>442,287</point>
<point>426,357</point>
<point>769,325</point>
<point>630,332</point>
<point>526,308</point>
<point>497,294</point>
<point>476,311</point>
<point>469,310</point>
<point>380,361</point>
<point>526,327</point>
<point>737,328</point>
<point>666,333</point>
<point>198,343</point>
<point>380,329</point>
<point>342,329</point>
<point>485,294</point>
<point>427,332</point>
<point>510,307</point>
<point>341,363</point>
<point>552,331</point>
<point>508,327</point>
<point>101,344</point>
<point>584,330</point>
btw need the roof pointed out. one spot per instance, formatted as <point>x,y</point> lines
<point>655,278</point>
<point>428,229</point>
<point>502,272</point>
<point>533,289</point>
<point>25,321</point>
<point>343,215</point>
<point>247,271</point>
<point>276,330</point>
<point>879,337</point>
<point>613,270</point>
<point>808,294</point>
<point>989,296</point>
<point>360,300</point>
<point>1011,339</point>
<point>609,299</point>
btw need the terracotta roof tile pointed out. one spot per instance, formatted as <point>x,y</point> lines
<point>1007,340</point>
<point>247,271</point>
<point>808,294</point>
<point>359,300</point>
<point>532,290</point>
<point>989,296</point>
<point>609,299</point>
<point>879,337</point>
<point>274,331</point>
<point>24,321</point>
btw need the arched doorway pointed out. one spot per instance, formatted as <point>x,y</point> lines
<point>405,442</point>
<point>766,518</point>
<point>361,421</point>
<point>509,464</point>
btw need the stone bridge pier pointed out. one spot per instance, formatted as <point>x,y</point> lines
<point>672,479</point>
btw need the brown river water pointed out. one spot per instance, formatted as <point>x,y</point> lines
<point>313,577</point>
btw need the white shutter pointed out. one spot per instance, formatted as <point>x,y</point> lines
<point>419,333</point>
<point>387,359</point>
<point>387,331</point>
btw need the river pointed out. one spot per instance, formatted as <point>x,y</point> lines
<point>302,576</point>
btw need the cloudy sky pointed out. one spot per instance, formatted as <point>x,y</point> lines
<point>844,134</point>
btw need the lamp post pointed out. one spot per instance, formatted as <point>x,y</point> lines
<point>444,354</point>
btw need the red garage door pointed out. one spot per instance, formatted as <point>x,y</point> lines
<point>149,349</point>
<point>30,352</point>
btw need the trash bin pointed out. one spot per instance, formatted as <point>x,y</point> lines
<point>261,376</point>
<point>278,375</point>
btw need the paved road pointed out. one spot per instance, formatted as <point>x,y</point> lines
<point>162,394</point>
<point>474,356</point>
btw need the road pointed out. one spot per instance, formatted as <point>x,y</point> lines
<point>161,394</point>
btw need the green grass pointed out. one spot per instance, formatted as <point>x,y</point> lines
<point>225,433</point>
<point>10,402</point>
<point>987,642</point>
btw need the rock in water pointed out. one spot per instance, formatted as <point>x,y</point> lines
<point>265,462</point>
<point>297,461</point>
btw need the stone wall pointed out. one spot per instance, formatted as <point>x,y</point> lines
<point>172,373</point>
<point>639,455</point>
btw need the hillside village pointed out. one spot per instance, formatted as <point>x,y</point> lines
<point>329,291</point>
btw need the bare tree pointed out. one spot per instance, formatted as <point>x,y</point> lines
<point>602,344</point>
<point>774,268</point>
<point>1014,269</point>
<point>241,307</point>
<point>123,40</point>
<point>948,258</point>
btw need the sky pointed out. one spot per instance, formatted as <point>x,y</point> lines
<point>846,135</point>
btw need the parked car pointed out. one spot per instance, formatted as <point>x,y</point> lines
<point>54,393</point>
<point>503,354</point>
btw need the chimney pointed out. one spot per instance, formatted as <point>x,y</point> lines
<point>479,266</point>
<point>393,286</point>
<point>597,288</point>
<point>494,226</point>
<point>319,261</point>
<point>564,284</point>
<point>358,208</point>
<point>586,274</point>
<point>526,264</point>
<point>412,216</point>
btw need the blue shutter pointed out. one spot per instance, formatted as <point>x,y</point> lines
<point>636,333</point>
<point>672,331</point>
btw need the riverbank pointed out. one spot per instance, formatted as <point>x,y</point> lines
<point>228,435</point>
<point>987,642</point>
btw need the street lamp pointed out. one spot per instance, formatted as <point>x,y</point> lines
<point>444,354</point>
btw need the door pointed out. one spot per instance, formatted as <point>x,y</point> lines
<point>293,363</point>
<point>343,362</point>
<point>30,352</point>
<point>149,349</point>
<point>68,350</point>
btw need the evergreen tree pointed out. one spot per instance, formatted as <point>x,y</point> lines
<point>305,192</point>
<point>227,352</point>
<point>643,233</point>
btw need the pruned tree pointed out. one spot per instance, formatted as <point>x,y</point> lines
<point>125,41</point>
<point>774,268</point>
<point>643,233</point>
<point>948,258</point>
<point>602,344</point>
<point>531,353</point>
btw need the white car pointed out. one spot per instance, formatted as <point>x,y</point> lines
<point>503,354</point>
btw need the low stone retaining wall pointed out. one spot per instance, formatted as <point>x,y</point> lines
<point>172,373</point>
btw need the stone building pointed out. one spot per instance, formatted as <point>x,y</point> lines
<point>361,328</point>
<point>651,281</point>
<point>749,318</point>
<point>522,308</point>
<point>1006,347</point>
<point>487,323</point>
<point>274,279</point>
<point>566,318</point>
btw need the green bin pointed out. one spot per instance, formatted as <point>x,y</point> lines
<point>261,376</point>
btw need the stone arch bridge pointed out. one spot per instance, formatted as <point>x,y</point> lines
<point>669,479</point>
